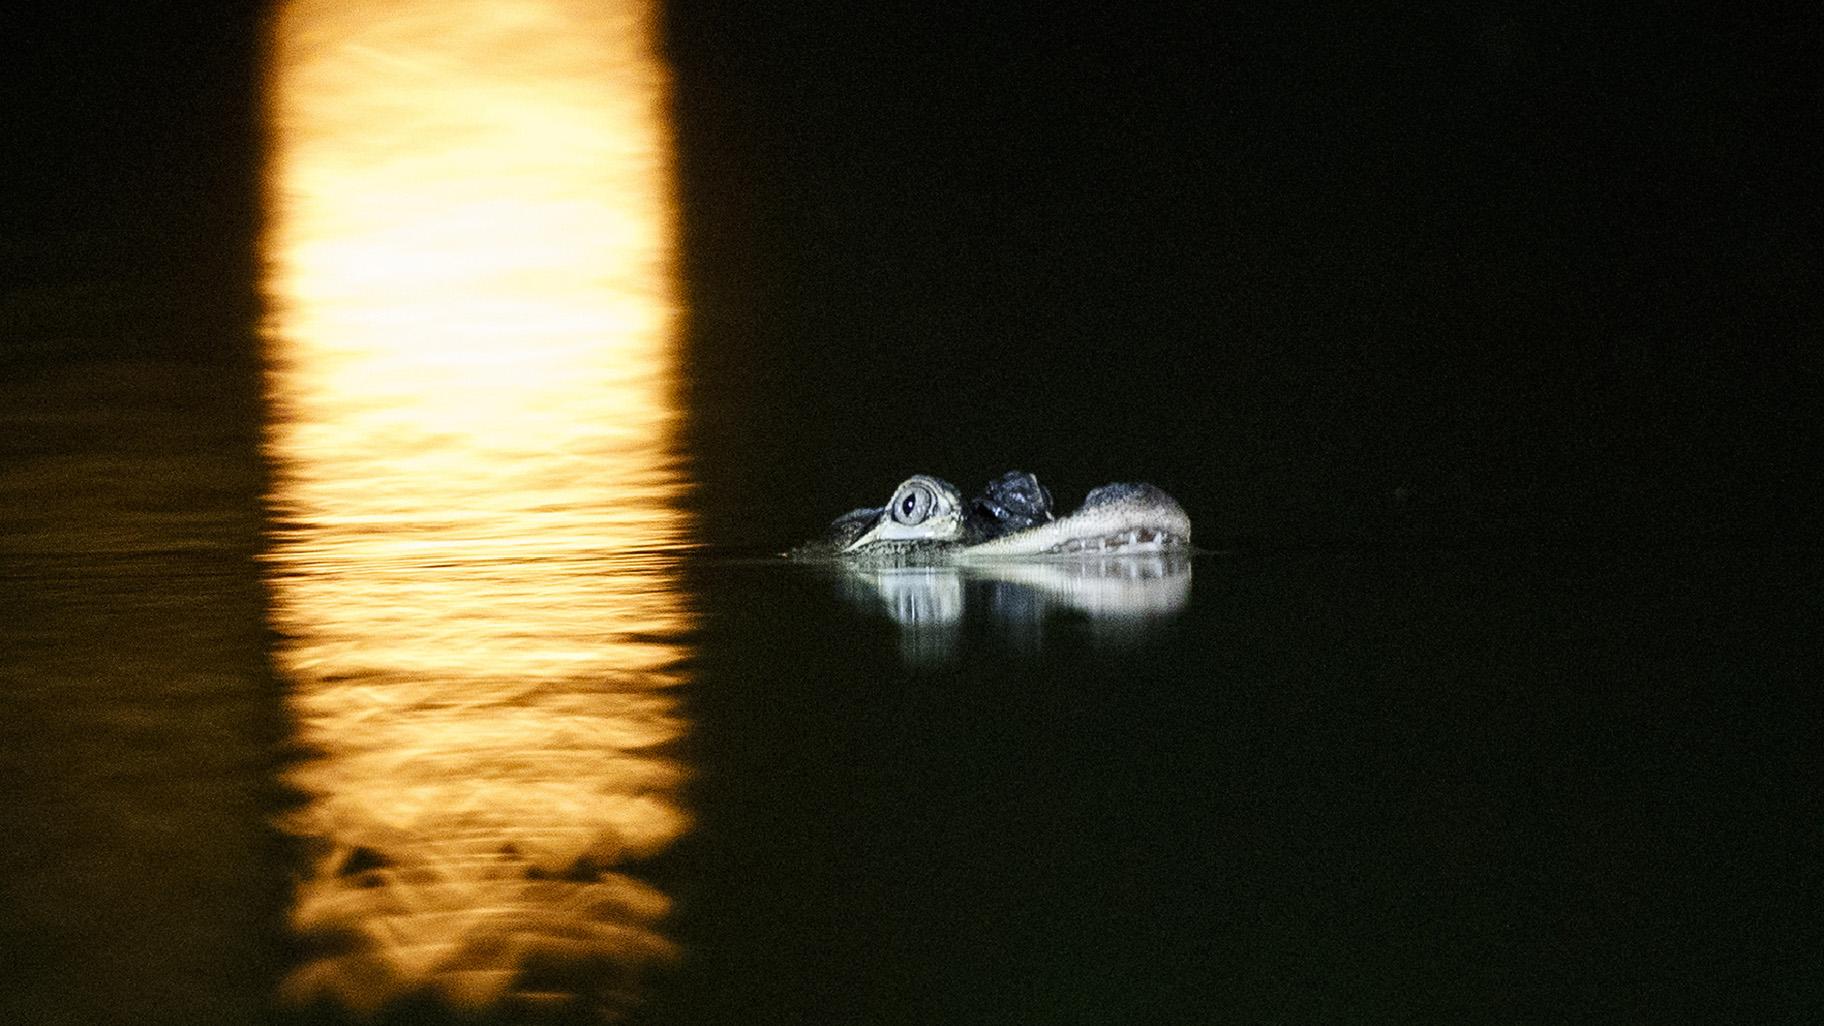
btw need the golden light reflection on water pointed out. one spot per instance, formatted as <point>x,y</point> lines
<point>469,259</point>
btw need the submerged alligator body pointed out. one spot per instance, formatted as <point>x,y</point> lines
<point>927,522</point>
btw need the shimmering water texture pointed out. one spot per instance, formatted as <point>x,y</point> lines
<point>470,568</point>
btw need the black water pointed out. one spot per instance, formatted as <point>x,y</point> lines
<point>1430,786</point>
<point>1346,784</point>
<point>1468,344</point>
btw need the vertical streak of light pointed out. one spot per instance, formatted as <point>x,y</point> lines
<point>469,350</point>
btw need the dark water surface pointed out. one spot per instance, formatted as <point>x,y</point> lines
<point>1424,785</point>
<point>1343,786</point>
<point>140,879</point>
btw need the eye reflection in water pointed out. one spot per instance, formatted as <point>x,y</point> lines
<point>469,343</point>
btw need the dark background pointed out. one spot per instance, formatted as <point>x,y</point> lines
<point>1508,270</point>
<point>1504,271</point>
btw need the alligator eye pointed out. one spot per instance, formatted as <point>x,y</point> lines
<point>912,505</point>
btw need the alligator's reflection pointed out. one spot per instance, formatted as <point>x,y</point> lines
<point>1123,597</point>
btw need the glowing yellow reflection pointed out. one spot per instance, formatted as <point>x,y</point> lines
<point>469,278</point>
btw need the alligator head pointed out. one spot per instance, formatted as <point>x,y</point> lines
<point>927,521</point>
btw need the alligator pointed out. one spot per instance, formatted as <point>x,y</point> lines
<point>926,522</point>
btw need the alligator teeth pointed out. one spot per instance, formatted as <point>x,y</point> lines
<point>1115,544</point>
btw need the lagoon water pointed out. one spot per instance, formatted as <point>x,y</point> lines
<point>701,785</point>
<point>419,650</point>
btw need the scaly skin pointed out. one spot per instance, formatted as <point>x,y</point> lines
<point>1115,518</point>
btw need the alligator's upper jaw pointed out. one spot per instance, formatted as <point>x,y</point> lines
<point>1083,539</point>
<point>1115,519</point>
<point>1075,535</point>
